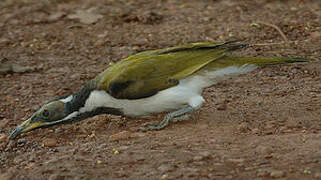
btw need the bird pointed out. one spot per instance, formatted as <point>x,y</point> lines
<point>150,82</point>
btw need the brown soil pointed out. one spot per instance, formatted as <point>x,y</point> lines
<point>266,124</point>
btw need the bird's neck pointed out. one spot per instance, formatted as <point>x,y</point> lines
<point>78,100</point>
<point>77,108</point>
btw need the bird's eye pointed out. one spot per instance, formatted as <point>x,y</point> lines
<point>45,113</point>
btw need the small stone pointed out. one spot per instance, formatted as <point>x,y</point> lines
<point>120,136</point>
<point>165,168</point>
<point>85,17</point>
<point>294,71</point>
<point>115,151</point>
<point>99,162</point>
<point>32,159</point>
<point>140,158</point>
<point>58,130</point>
<point>103,35</point>
<point>56,16</point>
<point>237,160</point>
<point>22,141</point>
<point>22,69</point>
<point>198,158</point>
<point>277,174</point>
<point>164,177</point>
<point>100,42</point>
<point>137,134</point>
<point>50,142</point>
<point>222,107</point>
<point>307,171</point>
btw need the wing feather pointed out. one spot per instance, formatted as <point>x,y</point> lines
<point>146,73</point>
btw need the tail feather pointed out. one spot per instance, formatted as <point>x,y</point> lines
<point>266,61</point>
<point>228,60</point>
<point>231,66</point>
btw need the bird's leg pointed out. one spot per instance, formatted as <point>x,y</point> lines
<point>175,116</point>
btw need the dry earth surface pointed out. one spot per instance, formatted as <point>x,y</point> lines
<point>263,125</point>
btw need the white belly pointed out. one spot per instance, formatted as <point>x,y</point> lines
<point>167,100</point>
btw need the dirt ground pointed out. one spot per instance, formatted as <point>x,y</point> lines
<point>263,125</point>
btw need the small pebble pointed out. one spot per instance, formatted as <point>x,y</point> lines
<point>222,107</point>
<point>277,174</point>
<point>165,168</point>
<point>99,43</point>
<point>115,151</point>
<point>198,158</point>
<point>164,177</point>
<point>32,159</point>
<point>22,141</point>
<point>237,160</point>
<point>50,142</point>
<point>58,130</point>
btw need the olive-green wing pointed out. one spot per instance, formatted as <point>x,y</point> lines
<point>147,73</point>
<point>191,46</point>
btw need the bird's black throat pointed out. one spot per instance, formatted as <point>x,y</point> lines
<point>78,101</point>
<point>79,98</point>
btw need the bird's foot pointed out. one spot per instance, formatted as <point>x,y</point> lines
<point>175,116</point>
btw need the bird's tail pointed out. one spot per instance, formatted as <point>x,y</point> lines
<point>231,60</point>
<point>229,66</point>
<point>263,61</point>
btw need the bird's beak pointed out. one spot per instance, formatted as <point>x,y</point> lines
<point>24,127</point>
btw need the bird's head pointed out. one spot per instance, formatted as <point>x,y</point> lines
<point>68,109</point>
<point>54,112</point>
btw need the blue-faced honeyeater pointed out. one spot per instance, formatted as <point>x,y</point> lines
<point>165,80</point>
